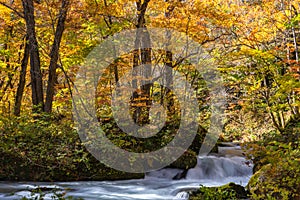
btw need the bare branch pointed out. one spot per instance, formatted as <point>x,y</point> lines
<point>13,9</point>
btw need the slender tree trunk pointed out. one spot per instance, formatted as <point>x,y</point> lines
<point>146,84</point>
<point>22,79</point>
<point>6,59</point>
<point>142,55</point>
<point>109,24</point>
<point>169,66</point>
<point>54,55</point>
<point>296,55</point>
<point>35,69</point>
<point>169,83</point>
<point>136,109</point>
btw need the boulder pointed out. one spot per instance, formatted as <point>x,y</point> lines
<point>228,191</point>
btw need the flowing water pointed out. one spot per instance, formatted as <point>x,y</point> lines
<point>213,170</point>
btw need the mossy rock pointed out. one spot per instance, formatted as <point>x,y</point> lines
<point>275,181</point>
<point>228,191</point>
<point>257,178</point>
<point>198,140</point>
<point>189,158</point>
<point>186,161</point>
<point>276,170</point>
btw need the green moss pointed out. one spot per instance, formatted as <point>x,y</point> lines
<point>277,159</point>
<point>278,181</point>
<point>229,191</point>
<point>186,161</point>
<point>46,149</point>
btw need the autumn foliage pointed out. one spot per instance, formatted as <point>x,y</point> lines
<point>254,46</point>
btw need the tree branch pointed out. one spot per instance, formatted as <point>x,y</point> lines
<point>13,9</point>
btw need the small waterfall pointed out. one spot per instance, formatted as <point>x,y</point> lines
<point>214,167</point>
<point>166,173</point>
<point>229,165</point>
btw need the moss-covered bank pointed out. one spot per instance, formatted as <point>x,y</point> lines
<point>48,148</point>
<point>277,165</point>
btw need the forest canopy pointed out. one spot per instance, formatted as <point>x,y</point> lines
<point>254,45</point>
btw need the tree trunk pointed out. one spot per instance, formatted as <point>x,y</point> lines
<point>146,84</point>
<point>22,79</point>
<point>142,55</point>
<point>109,24</point>
<point>168,95</point>
<point>35,69</point>
<point>54,54</point>
<point>6,59</point>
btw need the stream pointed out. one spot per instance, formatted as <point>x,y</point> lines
<point>229,165</point>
